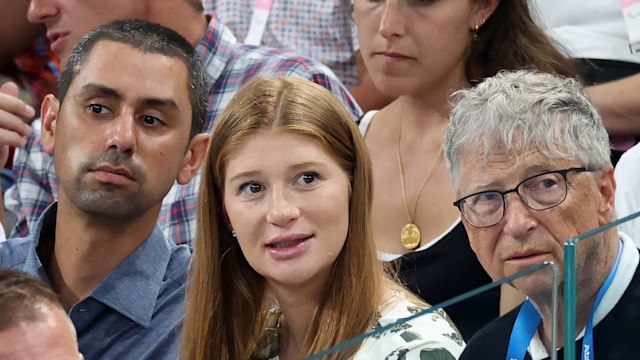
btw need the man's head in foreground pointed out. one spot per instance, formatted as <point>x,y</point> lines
<point>529,158</point>
<point>33,324</point>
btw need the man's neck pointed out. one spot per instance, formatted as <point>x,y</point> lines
<point>586,293</point>
<point>87,249</point>
<point>583,311</point>
<point>181,17</point>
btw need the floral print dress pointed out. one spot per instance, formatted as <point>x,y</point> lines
<point>429,337</point>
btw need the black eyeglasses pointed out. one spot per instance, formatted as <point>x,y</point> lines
<point>539,192</point>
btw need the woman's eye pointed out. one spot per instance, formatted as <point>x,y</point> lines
<point>98,109</point>
<point>251,188</point>
<point>306,178</point>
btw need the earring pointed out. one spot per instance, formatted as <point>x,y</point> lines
<point>233,233</point>
<point>475,29</point>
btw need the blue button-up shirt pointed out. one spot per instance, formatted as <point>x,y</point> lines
<point>136,312</point>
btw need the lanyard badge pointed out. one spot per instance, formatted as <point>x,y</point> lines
<point>631,13</point>
<point>258,22</point>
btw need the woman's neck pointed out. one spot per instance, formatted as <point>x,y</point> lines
<point>298,305</point>
<point>434,96</point>
<point>417,118</point>
<point>294,327</point>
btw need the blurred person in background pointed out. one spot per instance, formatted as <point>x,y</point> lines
<point>26,61</point>
<point>601,47</point>
<point>323,30</point>
<point>25,57</point>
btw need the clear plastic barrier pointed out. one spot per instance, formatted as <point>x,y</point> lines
<point>415,329</point>
<point>579,250</point>
<point>591,260</point>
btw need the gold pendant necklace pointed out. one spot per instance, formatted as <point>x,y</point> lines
<point>410,234</point>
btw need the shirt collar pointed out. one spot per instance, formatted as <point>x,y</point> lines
<point>46,224</point>
<point>629,260</point>
<point>215,48</point>
<point>132,288</point>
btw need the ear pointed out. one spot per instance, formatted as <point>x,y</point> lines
<point>49,114</point>
<point>482,10</point>
<point>193,158</point>
<point>606,184</point>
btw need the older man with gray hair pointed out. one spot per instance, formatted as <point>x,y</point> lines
<point>529,158</point>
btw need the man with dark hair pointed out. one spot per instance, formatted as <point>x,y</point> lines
<point>33,324</point>
<point>121,135</point>
<point>228,65</point>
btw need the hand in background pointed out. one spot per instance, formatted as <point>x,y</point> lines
<point>13,115</point>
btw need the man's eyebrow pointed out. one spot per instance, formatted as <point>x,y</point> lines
<point>159,102</point>
<point>97,89</point>
<point>102,90</point>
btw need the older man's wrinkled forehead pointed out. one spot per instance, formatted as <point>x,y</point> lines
<point>517,157</point>
<point>490,147</point>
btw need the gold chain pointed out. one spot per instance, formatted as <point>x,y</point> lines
<point>424,182</point>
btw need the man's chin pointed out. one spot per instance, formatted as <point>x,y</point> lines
<point>536,285</point>
<point>120,208</point>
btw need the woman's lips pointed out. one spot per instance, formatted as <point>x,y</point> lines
<point>392,56</point>
<point>288,247</point>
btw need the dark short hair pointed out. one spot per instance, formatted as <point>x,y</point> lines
<point>20,296</point>
<point>151,38</point>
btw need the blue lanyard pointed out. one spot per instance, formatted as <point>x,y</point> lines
<point>528,320</point>
<point>523,330</point>
<point>587,342</point>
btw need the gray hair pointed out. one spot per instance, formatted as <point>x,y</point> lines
<point>526,109</point>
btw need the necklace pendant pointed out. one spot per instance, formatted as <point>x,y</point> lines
<point>410,236</point>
